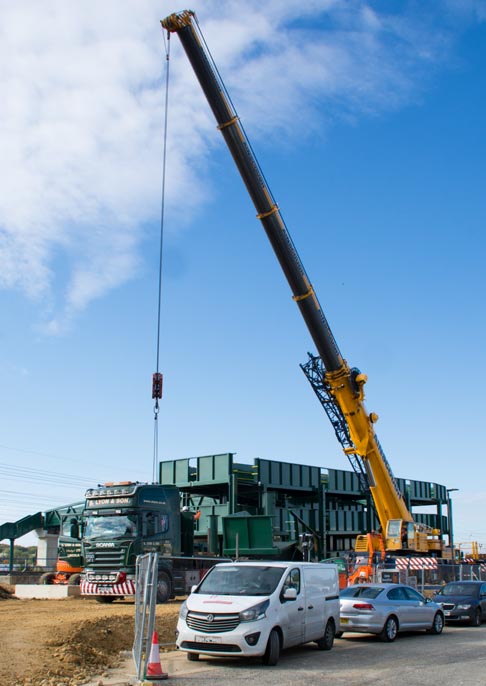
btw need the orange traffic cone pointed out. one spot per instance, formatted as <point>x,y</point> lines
<point>154,668</point>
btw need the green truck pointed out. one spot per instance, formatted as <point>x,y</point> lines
<point>126,519</point>
<point>68,522</point>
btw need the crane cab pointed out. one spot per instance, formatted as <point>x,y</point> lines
<point>403,535</point>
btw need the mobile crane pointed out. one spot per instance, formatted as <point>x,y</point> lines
<point>339,386</point>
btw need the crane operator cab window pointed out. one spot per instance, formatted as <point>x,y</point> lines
<point>292,581</point>
<point>408,534</point>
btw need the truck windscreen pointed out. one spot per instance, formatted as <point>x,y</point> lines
<point>111,526</point>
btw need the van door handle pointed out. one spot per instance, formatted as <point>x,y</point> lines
<point>310,607</point>
<point>300,609</point>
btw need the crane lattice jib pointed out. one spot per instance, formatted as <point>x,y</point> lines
<point>344,386</point>
<point>315,373</point>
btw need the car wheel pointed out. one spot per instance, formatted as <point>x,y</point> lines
<point>390,630</point>
<point>476,620</point>
<point>437,624</point>
<point>192,657</point>
<point>326,642</point>
<point>272,653</point>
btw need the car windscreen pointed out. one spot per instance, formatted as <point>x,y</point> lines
<point>361,592</point>
<point>241,580</point>
<point>460,589</point>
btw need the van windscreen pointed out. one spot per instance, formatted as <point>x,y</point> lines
<point>255,580</point>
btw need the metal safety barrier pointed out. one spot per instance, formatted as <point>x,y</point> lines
<point>145,601</point>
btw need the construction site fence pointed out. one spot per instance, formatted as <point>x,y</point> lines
<point>428,580</point>
<point>145,601</point>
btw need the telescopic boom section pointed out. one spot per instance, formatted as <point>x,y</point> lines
<point>267,211</point>
<point>346,385</point>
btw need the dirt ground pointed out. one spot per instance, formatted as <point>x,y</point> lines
<point>67,642</point>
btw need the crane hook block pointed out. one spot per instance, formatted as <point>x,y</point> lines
<point>157,382</point>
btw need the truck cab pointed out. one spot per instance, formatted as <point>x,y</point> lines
<point>123,520</point>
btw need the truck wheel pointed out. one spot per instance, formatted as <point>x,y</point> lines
<point>74,580</point>
<point>192,657</point>
<point>47,578</point>
<point>105,598</point>
<point>390,630</point>
<point>327,641</point>
<point>272,653</point>
<point>163,588</point>
<point>476,620</point>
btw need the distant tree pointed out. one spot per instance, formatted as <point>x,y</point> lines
<point>22,555</point>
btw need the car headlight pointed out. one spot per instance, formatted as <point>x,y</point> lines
<point>255,612</point>
<point>464,606</point>
<point>183,611</point>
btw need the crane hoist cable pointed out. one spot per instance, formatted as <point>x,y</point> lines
<point>157,377</point>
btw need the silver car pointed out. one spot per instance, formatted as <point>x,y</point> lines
<point>386,609</point>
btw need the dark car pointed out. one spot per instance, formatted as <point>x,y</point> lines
<point>463,601</point>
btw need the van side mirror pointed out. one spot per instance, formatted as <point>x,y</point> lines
<point>290,594</point>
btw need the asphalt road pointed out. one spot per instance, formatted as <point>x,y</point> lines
<point>457,656</point>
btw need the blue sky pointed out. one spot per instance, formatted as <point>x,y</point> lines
<point>368,121</point>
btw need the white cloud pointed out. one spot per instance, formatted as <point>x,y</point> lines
<point>82,120</point>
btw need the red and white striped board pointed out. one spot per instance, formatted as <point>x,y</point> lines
<point>126,588</point>
<point>416,563</point>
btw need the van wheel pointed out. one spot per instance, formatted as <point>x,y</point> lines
<point>272,653</point>
<point>327,641</point>
<point>192,657</point>
<point>390,630</point>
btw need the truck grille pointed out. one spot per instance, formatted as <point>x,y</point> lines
<point>105,558</point>
<point>212,624</point>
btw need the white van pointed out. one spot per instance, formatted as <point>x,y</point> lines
<point>251,609</point>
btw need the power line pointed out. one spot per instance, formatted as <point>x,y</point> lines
<point>26,473</point>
